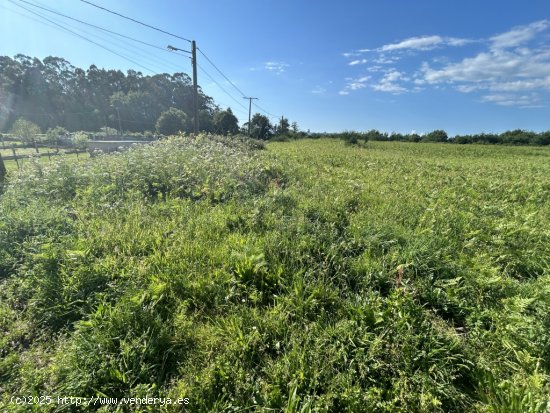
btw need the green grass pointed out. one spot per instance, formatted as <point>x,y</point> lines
<point>24,151</point>
<point>311,276</point>
<point>11,165</point>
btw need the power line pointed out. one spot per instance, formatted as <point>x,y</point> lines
<point>221,87</point>
<point>204,54</point>
<point>232,84</point>
<point>96,27</point>
<point>220,104</point>
<point>141,52</point>
<point>220,72</point>
<point>135,21</point>
<point>85,38</point>
<point>265,111</point>
<point>135,40</point>
<point>59,26</point>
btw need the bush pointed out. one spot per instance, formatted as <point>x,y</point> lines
<point>173,121</point>
<point>26,130</point>
<point>57,134</point>
<point>80,139</point>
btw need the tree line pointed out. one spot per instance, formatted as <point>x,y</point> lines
<point>53,93</point>
<point>513,137</point>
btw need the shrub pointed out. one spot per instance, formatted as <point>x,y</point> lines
<point>172,121</point>
<point>26,130</point>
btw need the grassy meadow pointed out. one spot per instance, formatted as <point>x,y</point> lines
<point>304,276</point>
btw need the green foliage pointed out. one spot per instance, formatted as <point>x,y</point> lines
<point>516,137</point>
<point>107,131</point>
<point>260,127</point>
<point>435,136</point>
<point>306,276</point>
<point>80,139</point>
<point>226,123</point>
<point>25,130</point>
<point>172,121</point>
<point>283,127</point>
<point>89,98</point>
<point>57,134</point>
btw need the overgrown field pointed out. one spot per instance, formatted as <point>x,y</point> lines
<point>309,276</point>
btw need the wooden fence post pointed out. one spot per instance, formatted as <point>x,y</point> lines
<point>3,171</point>
<point>15,156</point>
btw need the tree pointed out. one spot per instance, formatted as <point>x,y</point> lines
<point>295,128</point>
<point>206,122</point>
<point>26,130</point>
<point>226,123</point>
<point>283,127</point>
<point>436,136</point>
<point>172,121</point>
<point>138,109</point>
<point>375,135</point>
<point>52,92</point>
<point>260,127</point>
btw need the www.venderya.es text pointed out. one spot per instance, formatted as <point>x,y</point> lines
<point>98,401</point>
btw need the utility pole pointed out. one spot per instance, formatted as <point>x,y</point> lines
<point>193,53</point>
<point>195,87</point>
<point>119,123</point>
<point>249,111</point>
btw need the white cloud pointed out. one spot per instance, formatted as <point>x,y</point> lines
<point>530,100</point>
<point>467,88</point>
<point>497,70</point>
<point>358,62</point>
<point>512,66</point>
<point>509,68</point>
<point>519,85</point>
<point>375,68</point>
<point>276,67</point>
<point>518,35</point>
<point>318,90</point>
<point>354,84</point>
<point>385,60</point>
<point>455,41</point>
<point>389,84</point>
<point>418,43</point>
<point>424,43</point>
<point>389,87</point>
<point>505,69</point>
<point>387,52</point>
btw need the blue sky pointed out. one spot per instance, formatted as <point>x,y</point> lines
<point>463,66</point>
